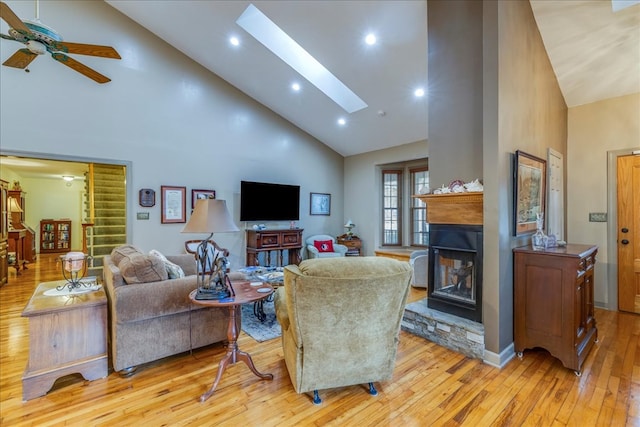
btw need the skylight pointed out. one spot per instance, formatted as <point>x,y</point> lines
<point>618,5</point>
<point>277,41</point>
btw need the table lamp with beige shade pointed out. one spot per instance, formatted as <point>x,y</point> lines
<point>211,216</point>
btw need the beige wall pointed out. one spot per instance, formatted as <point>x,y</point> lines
<point>53,199</point>
<point>594,130</point>
<point>173,120</point>
<point>455,91</point>
<point>532,116</point>
<point>362,183</point>
<point>521,107</point>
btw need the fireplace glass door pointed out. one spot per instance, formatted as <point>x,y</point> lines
<point>455,275</point>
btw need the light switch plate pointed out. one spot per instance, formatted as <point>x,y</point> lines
<point>142,215</point>
<point>597,217</point>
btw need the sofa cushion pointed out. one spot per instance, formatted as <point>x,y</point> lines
<point>123,251</point>
<point>140,268</point>
<point>323,245</point>
<point>173,270</point>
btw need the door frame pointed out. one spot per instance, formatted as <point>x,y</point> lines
<point>612,223</point>
<point>129,193</point>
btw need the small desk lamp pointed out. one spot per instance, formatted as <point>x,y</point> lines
<point>349,226</point>
<point>13,207</point>
<point>211,216</point>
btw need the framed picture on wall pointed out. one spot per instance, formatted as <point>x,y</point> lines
<point>530,174</point>
<point>201,194</point>
<point>173,200</point>
<point>320,204</point>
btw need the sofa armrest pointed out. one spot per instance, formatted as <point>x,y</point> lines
<point>186,261</point>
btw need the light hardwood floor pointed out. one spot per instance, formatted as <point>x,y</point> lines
<point>431,385</point>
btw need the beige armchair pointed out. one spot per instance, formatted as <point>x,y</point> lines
<point>340,320</point>
<point>314,252</point>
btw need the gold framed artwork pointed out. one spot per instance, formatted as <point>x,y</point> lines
<point>530,174</point>
<point>173,201</point>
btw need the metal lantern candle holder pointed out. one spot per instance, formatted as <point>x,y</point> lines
<point>74,268</point>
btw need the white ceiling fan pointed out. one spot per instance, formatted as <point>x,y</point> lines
<point>39,39</point>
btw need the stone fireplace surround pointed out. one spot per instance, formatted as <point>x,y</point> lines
<point>449,330</point>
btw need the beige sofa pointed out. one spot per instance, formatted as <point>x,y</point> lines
<point>155,319</point>
<point>340,320</point>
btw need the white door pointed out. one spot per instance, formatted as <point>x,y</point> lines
<point>555,194</point>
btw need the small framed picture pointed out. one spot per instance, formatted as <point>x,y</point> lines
<point>320,204</point>
<point>173,201</point>
<point>201,194</point>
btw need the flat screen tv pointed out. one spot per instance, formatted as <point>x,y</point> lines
<point>262,201</point>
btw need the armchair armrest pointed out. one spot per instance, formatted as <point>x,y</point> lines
<point>337,247</point>
<point>312,250</point>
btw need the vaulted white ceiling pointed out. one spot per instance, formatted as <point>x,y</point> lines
<point>594,51</point>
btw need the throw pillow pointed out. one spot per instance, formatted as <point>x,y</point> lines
<point>117,254</point>
<point>173,270</point>
<point>140,268</point>
<point>323,245</point>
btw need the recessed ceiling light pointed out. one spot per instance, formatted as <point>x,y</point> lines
<point>370,39</point>
<point>342,121</point>
<point>234,41</point>
<point>284,47</point>
<point>419,92</point>
<point>295,87</point>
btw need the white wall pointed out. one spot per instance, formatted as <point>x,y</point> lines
<point>173,120</point>
<point>362,189</point>
<point>594,130</point>
<point>53,199</point>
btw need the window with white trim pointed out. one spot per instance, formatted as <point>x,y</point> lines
<point>400,182</point>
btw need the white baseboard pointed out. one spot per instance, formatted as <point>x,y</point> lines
<point>499,360</point>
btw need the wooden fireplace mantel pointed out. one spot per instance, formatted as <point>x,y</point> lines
<point>453,208</point>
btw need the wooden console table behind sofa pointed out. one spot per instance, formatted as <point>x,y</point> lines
<point>266,241</point>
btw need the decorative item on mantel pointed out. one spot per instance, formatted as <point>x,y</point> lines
<point>459,186</point>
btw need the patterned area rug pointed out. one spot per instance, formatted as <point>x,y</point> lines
<point>260,331</point>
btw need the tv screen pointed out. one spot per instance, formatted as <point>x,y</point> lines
<point>262,201</point>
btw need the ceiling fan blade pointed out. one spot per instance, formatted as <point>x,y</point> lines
<point>21,59</point>
<point>81,68</point>
<point>12,19</point>
<point>85,49</point>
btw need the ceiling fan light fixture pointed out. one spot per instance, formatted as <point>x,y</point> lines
<point>36,47</point>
